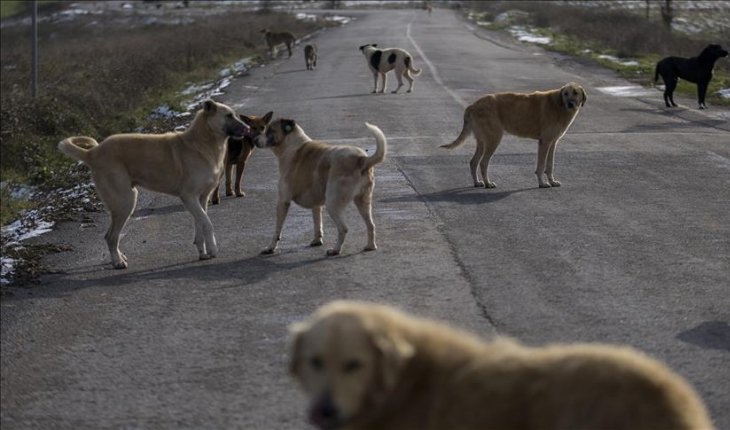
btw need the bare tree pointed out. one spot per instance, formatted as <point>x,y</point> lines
<point>667,14</point>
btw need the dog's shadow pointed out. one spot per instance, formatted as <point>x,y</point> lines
<point>461,196</point>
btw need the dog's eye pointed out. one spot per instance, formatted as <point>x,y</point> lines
<point>352,366</point>
<point>316,363</point>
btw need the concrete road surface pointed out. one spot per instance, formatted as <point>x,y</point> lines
<point>633,249</point>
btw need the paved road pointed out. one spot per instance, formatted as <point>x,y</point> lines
<point>632,249</point>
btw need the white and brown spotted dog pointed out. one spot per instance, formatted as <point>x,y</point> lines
<point>382,61</point>
<point>314,174</point>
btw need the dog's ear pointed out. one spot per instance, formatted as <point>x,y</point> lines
<point>267,117</point>
<point>374,45</point>
<point>585,96</point>
<point>246,119</point>
<point>296,332</point>
<point>209,106</point>
<point>363,47</point>
<point>288,125</point>
<point>393,352</point>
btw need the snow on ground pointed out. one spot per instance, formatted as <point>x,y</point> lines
<point>724,93</point>
<point>627,91</point>
<point>524,35</point>
<point>618,60</point>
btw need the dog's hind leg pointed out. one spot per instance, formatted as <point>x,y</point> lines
<point>551,164</point>
<point>240,166</point>
<point>317,218</point>
<point>120,198</point>
<point>338,195</point>
<point>474,163</point>
<point>408,76</point>
<point>204,235</point>
<point>669,86</point>
<point>489,145</point>
<point>364,204</point>
<point>399,77</point>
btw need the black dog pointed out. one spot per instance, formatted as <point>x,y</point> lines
<point>696,69</point>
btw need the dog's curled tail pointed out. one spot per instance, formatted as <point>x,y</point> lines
<point>409,65</point>
<point>465,132</point>
<point>379,155</point>
<point>78,147</point>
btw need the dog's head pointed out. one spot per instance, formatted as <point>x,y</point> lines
<point>274,133</point>
<point>363,48</point>
<point>346,358</point>
<point>572,96</point>
<point>712,52</point>
<point>256,124</point>
<point>223,120</point>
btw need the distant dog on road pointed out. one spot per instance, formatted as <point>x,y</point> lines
<point>314,174</point>
<point>542,115</point>
<point>381,61</point>
<point>237,154</point>
<point>310,56</point>
<point>365,367</point>
<point>275,39</point>
<point>187,164</point>
<point>695,69</point>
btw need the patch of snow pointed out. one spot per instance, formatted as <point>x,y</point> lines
<point>618,60</point>
<point>524,35</point>
<point>626,91</point>
<point>306,17</point>
<point>724,93</point>
<point>337,18</point>
<point>7,270</point>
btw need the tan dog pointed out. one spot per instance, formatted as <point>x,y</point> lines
<point>275,39</point>
<point>314,174</point>
<point>237,154</point>
<point>367,366</point>
<point>186,164</point>
<point>542,115</point>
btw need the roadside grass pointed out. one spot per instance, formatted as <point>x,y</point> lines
<point>99,78</point>
<point>621,34</point>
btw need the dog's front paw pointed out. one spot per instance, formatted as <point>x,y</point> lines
<point>229,193</point>
<point>544,185</point>
<point>478,184</point>
<point>490,184</point>
<point>370,248</point>
<point>204,257</point>
<point>554,183</point>
<point>240,194</point>
<point>268,251</point>
<point>333,252</point>
<point>317,242</point>
<point>120,264</point>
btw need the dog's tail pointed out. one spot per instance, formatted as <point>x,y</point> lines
<point>78,147</point>
<point>409,65</point>
<point>379,155</point>
<point>465,132</point>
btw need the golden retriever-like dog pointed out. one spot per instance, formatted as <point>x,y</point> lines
<point>314,174</point>
<point>371,367</point>
<point>186,164</point>
<point>542,115</point>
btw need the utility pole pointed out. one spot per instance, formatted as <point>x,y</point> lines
<point>34,53</point>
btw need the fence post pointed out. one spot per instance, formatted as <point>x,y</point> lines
<point>34,52</point>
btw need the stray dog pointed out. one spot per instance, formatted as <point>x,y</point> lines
<point>314,174</point>
<point>310,56</point>
<point>238,152</point>
<point>696,69</point>
<point>186,164</point>
<point>382,61</point>
<point>368,367</point>
<point>274,39</point>
<point>542,115</point>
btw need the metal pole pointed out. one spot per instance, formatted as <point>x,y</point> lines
<point>34,60</point>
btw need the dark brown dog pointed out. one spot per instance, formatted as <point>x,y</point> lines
<point>696,69</point>
<point>238,152</point>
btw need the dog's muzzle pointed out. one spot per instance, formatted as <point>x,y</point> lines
<point>325,415</point>
<point>239,130</point>
<point>261,141</point>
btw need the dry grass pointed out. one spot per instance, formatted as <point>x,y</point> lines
<point>100,76</point>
